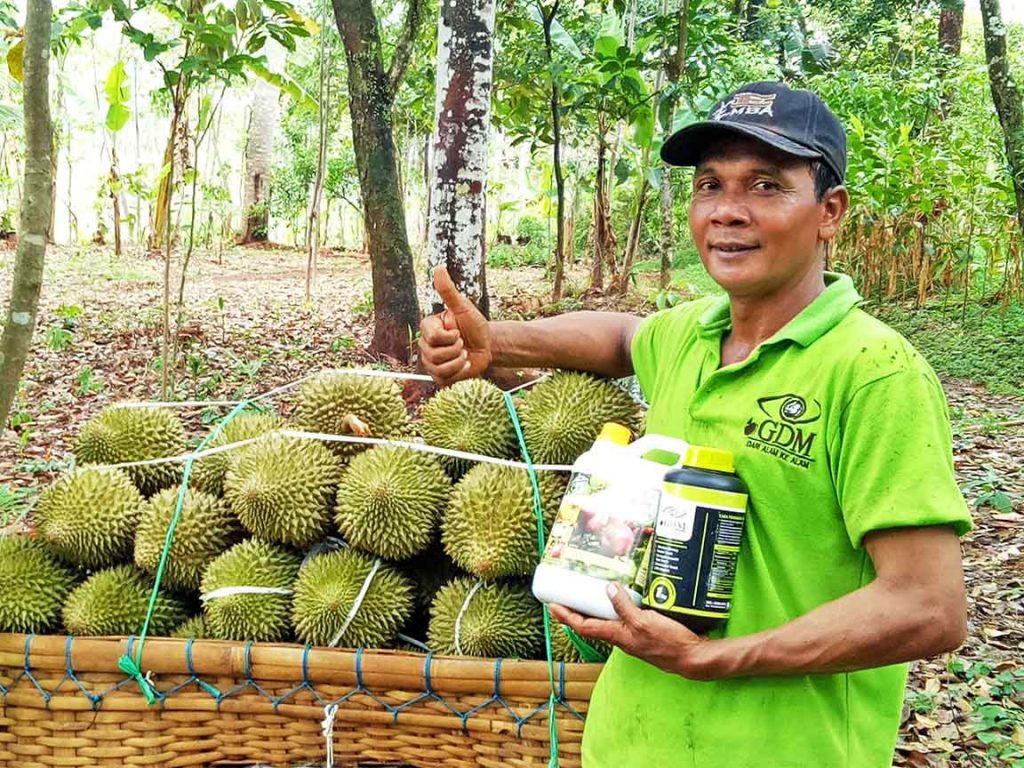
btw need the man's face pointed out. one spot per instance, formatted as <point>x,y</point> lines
<point>755,219</point>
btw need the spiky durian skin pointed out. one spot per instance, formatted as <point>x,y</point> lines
<point>193,628</point>
<point>489,528</point>
<point>114,602</point>
<point>500,620</point>
<point>325,594</point>
<point>469,416</point>
<point>562,648</point>
<point>563,415</point>
<point>205,528</point>
<point>390,499</point>
<point>209,471</point>
<point>88,516</point>
<point>33,585</point>
<point>282,489</point>
<point>326,401</point>
<point>120,434</point>
<point>265,617</point>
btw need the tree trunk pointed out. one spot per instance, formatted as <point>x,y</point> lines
<point>115,199</point>
<point>951,29</point>
<point>462,106</point>
<point>951,26</point>
<point>259,149</point>
<point>1007,98</point>
<point>556,151</point>
<point>162,207</point>
<point>313,220</point>
<point>674,69</point>
<point>396,308</point>
<point>621,285</point>
<point>604,237</point>
<point>35,205</point>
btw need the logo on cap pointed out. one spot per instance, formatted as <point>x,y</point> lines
<point>746,103</point>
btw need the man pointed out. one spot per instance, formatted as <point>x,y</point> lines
<point>850,565</point>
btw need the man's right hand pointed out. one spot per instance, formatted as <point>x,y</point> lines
<point>455,344</point>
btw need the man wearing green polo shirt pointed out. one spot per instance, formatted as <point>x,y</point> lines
<point>850,565</point>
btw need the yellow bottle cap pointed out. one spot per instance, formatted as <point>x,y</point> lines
<point>615,433</point>
<point>702,457</point>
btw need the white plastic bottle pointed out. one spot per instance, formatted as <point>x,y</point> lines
<point>605,520</point>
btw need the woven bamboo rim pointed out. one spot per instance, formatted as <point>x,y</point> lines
<point>393,707</point>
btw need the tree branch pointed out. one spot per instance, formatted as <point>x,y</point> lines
<point>403,51</point>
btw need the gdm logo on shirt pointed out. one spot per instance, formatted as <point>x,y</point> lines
<point>787,433</point>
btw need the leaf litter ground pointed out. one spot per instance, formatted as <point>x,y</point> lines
<point>247,330</point>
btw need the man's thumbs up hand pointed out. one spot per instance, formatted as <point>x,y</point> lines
<point>455,344</point>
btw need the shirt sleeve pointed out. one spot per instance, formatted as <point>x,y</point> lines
<point>894,464</point>
<point>643,351</point>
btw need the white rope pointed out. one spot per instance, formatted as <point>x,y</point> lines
<point>332,438</point>
<point>232,591</point>
<point>327,729</point>
<point>358,602</point>
<point>458,619</point>
<point>372,372</point>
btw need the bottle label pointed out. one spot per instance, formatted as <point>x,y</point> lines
<point>691,565</point>
<point>601,528</point>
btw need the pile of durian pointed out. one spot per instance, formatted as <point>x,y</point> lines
<point>328,543</point>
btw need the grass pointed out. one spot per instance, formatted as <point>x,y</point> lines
<point>986,345</point>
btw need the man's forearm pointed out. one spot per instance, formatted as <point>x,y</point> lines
<point>875,626</point>
<point>597,342</point>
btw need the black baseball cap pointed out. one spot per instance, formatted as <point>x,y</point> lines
<point>793,121</point>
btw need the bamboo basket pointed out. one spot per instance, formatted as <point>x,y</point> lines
<point>64,702</point>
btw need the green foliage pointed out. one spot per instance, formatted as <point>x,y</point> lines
<point>14,503</point>
<point>985,344</point>
<point>989,491</point>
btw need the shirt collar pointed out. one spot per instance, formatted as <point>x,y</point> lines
<point>813,321</point>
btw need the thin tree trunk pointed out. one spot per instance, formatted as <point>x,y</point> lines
<point>115,199</point>
<point>604,237</point>
<point>458,207</point>
<point>162,207</point>
<point>371,95</point>
<point>313,223</point>
<point>35,205</point>
<point>633,238</point>
<point>556,150</point>
<point>674,69</point>
<point>1007,99</point>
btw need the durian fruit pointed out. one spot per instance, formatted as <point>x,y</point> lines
<point>492,619</point>
<point>562,648</point>
<point>390,499</point>
<point>325,600</point>
<point>88,516</point>
<point>255,615</point>
<point>33,585</point>
<point>350,404</point>
<point>563,415</point>
<point>206,527</point>
<point>489,528</point>
<point>193,628</point>
<point>114,602</point>
<point>469,416</point>
<point>208,472</point>
<point>282,489</point>
<point>120,434</point>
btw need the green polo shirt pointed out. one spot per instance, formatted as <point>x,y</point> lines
<point>839,428</point>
